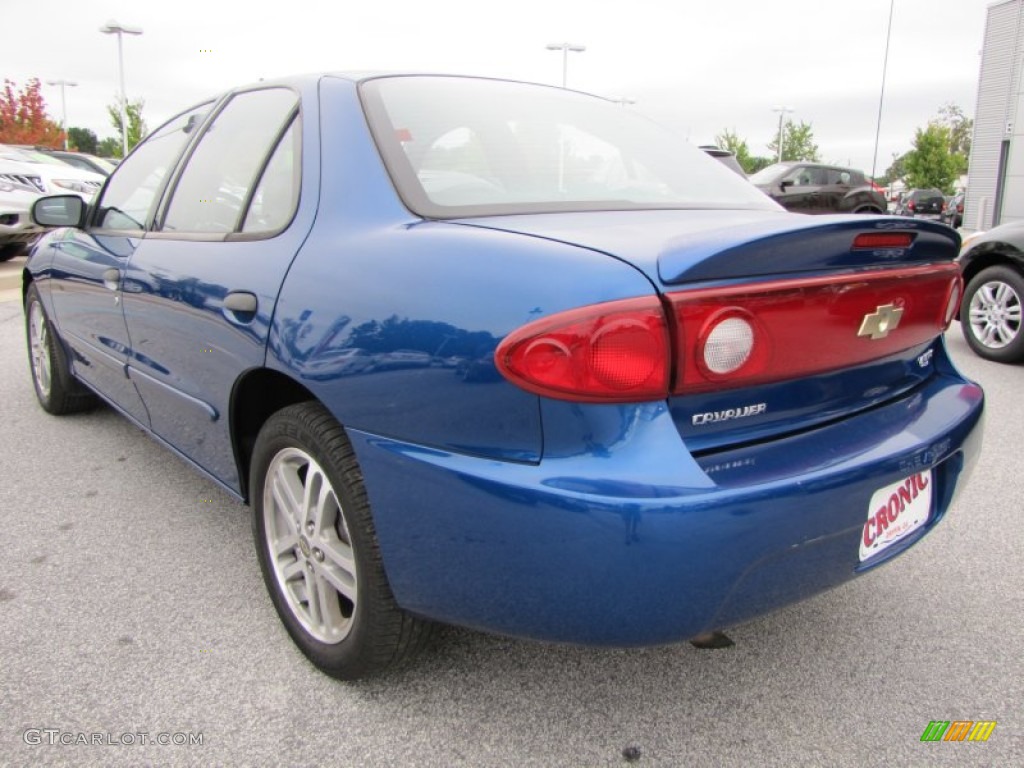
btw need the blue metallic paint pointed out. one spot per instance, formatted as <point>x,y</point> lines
<point>494,508</point>
<point>627,540</point>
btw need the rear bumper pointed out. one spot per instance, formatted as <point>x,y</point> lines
<point>632,541</point>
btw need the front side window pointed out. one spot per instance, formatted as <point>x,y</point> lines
<point>464,146</point>
<point>131,193</point>
<point>215,188</point>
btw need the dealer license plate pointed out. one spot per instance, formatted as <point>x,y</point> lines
<point>895,512</point>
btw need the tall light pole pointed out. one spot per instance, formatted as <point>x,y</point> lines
<point>881,95</point>
<point>783,111</point>
<point>565,48</point>
<point>63,106</point>
<point>113,28</point>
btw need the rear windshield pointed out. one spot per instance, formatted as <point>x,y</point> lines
<point>471,147</point>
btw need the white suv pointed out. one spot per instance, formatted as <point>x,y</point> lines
<point>16,226</point>
<point>49,175</point>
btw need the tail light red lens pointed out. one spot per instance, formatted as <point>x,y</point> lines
<point>805,327</point>
<point>729,336</point>
<point>613,352</point>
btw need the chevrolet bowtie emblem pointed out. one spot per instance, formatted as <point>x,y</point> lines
<point>877,324</point>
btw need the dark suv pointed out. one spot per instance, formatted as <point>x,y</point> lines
<point>954,213</point>
<point>815,188</point>
<point>922,204</point>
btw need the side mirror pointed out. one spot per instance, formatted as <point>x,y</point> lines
<point>786,183</point>
<point>59,211</point>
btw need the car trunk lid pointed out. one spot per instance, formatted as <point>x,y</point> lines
<point>847,309</point>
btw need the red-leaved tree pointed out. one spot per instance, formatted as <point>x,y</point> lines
<point>23,118</point>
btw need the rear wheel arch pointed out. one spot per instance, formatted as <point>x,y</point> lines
<point>258,395</point>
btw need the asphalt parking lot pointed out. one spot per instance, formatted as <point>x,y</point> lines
<point>131,603</point>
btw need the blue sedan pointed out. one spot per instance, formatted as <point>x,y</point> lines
<point>509,357</point>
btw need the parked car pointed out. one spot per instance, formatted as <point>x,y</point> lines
<point>81,160</point>
<point>707,407</point>
<point>990,315</point>
<point>725,157</point>
<point>51,175</point>
<point>922,204</point>
<point>815,188</point>
<point>953,214</point>
<point>17,229</point>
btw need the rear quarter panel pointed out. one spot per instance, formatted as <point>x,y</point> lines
<point>425,303</point>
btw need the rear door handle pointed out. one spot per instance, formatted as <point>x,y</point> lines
<point>241,303</point>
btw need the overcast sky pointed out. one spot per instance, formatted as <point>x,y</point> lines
<point>699,67</point>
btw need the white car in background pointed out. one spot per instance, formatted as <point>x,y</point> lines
<point>17,229</point>
<point>50,175</point>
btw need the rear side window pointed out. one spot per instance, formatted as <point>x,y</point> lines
<point>217,185</point>
<point>133,189</point>
<point>277,193</point>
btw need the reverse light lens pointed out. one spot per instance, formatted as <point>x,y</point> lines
<point>728,346</point>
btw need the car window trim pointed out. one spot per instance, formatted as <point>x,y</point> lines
<point>294,118</point>
<point>150,223</point>
<point>186,158</point>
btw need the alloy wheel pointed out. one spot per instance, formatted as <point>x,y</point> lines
<point>309,546</point>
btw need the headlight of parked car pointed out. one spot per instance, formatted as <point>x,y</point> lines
<point>73,185</point>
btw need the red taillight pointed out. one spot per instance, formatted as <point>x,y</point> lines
<point>910,205</point>
<point>604,353</point>
<point>804,327</point>
<point>727,337</point>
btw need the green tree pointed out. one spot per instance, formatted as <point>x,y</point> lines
<point>960,129</point>
<point>749,163</point>
<point>731,141</point>
<point>23,118</point>
<point>83,140</point>
<point>109,147</point>
<point>930,163</point>
<point>136,124</point>
<point>797,142</point>
<point>896,171</point>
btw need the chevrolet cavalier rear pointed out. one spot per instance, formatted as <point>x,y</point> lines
<point>607,392</point>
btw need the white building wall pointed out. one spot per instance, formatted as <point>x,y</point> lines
<point>999,104</point>
<point>1012,208</point>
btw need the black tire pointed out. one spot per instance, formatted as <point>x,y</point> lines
<point>9,251</point>
<point>867,209</point>
<point>990,315</point>
<point>57,390</point>
<point>346,636</point>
